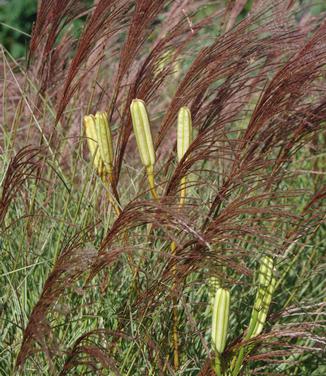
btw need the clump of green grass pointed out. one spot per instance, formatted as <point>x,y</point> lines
<point>202,254</point>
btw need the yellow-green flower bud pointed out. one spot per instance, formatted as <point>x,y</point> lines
<point>184,132</point>
<point>104,138</point>
<point>90,130</point>
<point>220,319</point>
<point>263,297</point>
<point>267,283</point>
<point>262,315</point>
<point>265,270</point>
<point>142,131</point>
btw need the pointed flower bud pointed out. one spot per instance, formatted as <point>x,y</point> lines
<point>184,132</point>
<point>104,138</point>
<point>263,299</point>
<point>90,130</point>
<point>220,319</point>
<point>266,288</point>
<point>142,131</point>
<point>262,315</point>
<point>265,270</point>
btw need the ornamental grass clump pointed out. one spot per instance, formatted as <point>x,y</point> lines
<point>215,266</point>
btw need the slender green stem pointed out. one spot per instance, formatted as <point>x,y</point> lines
<point>151,181</point>
<point>238,362</point>
<point>218,366</point>
<point>110,197</point>
<point>175,334</point>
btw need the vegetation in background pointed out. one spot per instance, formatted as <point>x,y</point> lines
<point>162,190</point>
<point>17,18</point>
<point>16,21</point>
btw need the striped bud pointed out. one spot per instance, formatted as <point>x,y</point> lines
<point>142,131</point>
<point>265,270</point>
<point>263,299</point>
<point>214,285</point>
<point>184,132</point>
<point>262,315</point>
<point>267,283</point>
<point>220,319</point>
<point>104,138</point>
<point>90,130</point>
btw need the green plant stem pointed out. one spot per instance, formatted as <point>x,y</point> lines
<point>151,181</point>
<point>183,191</point>
<point>238,362</point>
<point>218,366</point>
<point>175,334</point>
<point>111,199</point>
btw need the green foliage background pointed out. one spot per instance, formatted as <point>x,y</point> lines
<point>16,20</point>
<point>17,17</point>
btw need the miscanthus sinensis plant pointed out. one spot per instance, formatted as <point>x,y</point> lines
<point>162,202</point>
